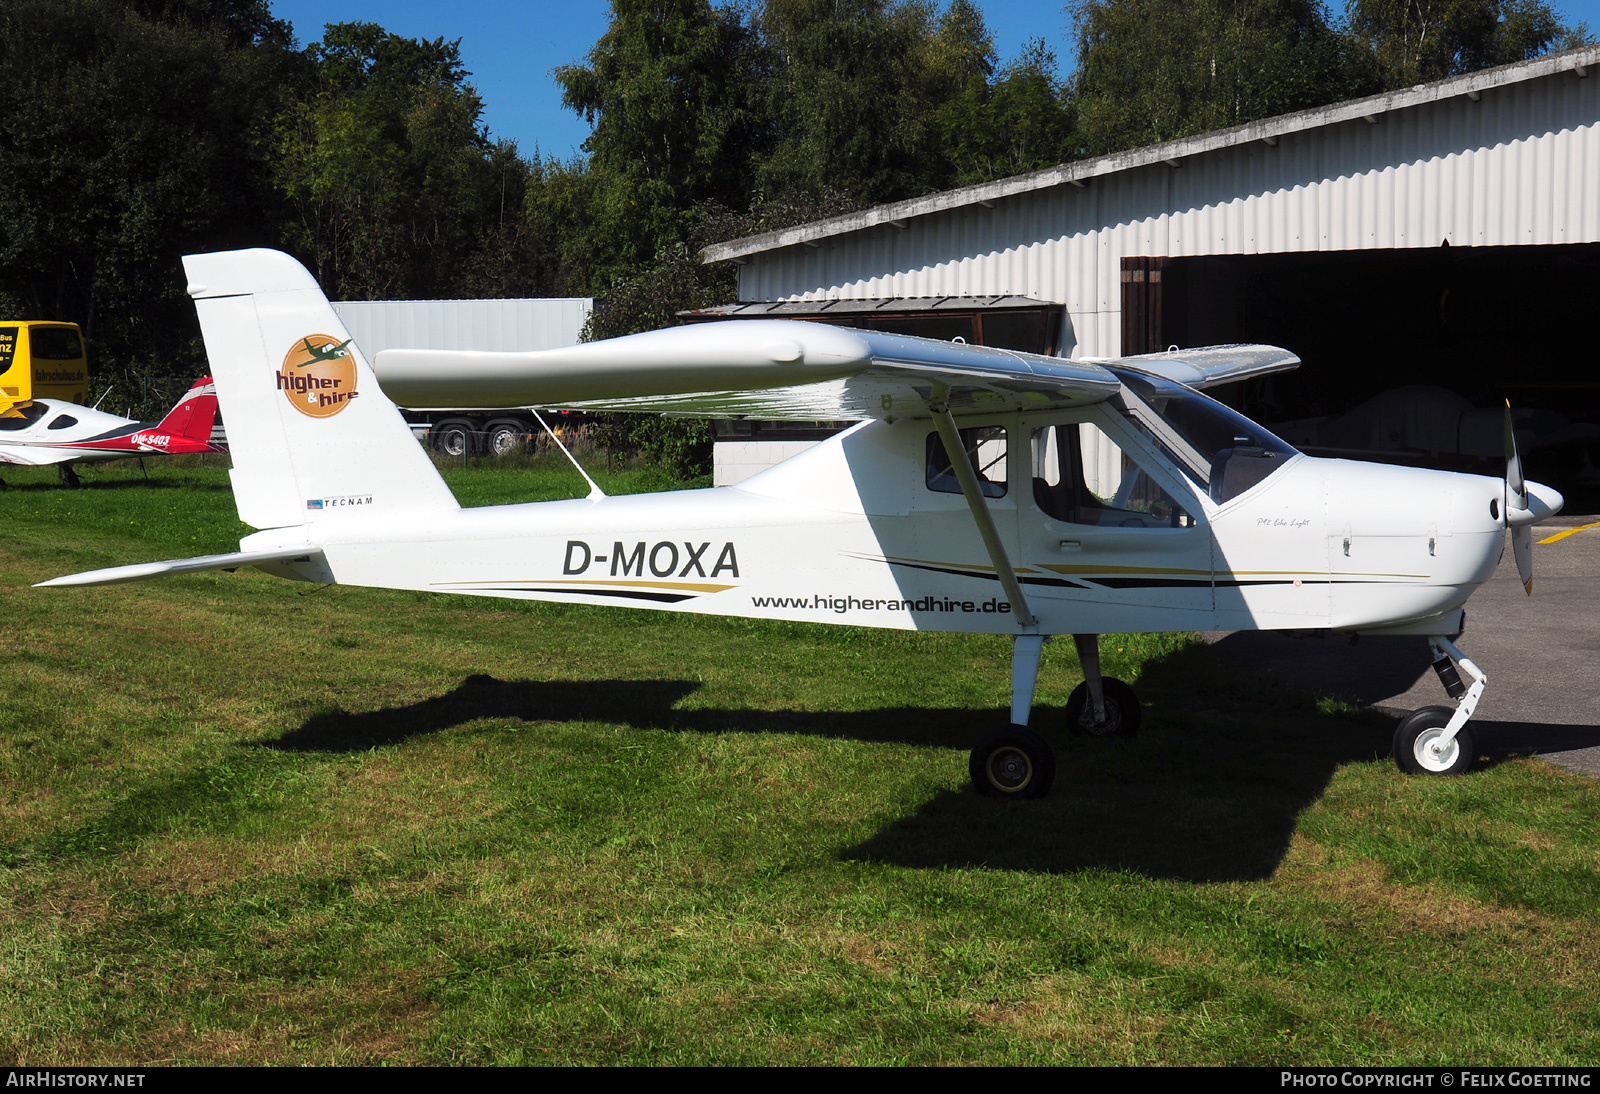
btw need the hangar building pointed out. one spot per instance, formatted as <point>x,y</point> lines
<point>1445,235</point>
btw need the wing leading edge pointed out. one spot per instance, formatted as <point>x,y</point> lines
<point>767,368</point>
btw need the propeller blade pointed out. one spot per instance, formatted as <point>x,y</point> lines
<point>1516,485</point>
<point>1522,549</point>
<point>1518,516</point>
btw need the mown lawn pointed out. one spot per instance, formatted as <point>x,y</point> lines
<point>249,820</point>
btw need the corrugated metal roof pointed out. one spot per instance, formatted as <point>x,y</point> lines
<point>1517,165</point>
<point>1267,133</point>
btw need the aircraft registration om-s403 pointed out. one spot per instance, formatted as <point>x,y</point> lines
<point>41,432</point>
<point>982,491</point>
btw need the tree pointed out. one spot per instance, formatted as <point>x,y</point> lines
<point>1021,120</point>
<point>674,91</point>
<point>1413,41</point>
<point>132,134</point>
<point>1155,70</point>
<point>392,182</point>
<point>857,89</point>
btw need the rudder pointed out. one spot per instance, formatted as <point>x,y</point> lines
<point>312,435</point>
<point>194,414</point>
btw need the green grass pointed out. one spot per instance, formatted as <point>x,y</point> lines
<point>248,820</point>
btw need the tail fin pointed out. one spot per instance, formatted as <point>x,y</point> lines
<point>312,436</point>
<point>194,414</point>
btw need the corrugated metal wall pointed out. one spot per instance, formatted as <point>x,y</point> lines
<point>464,324</point>
<point>1521,166</point>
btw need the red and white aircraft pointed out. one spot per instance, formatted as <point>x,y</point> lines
<point>40,432</point>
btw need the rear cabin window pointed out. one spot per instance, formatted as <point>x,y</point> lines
<point>65,421</point>
<point>986,451</point>
<point>55,343</point>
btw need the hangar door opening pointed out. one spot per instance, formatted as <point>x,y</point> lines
<point>1409,354</point>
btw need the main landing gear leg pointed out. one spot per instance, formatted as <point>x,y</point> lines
<point>1016,762</point>
<point>68,476</point>
<point>1437,740</point>
<point>1101,706</point>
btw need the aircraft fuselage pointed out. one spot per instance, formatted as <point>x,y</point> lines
<point>852,532</point>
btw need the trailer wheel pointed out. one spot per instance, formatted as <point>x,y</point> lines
<point>453,437</point>
<point>506,438</point>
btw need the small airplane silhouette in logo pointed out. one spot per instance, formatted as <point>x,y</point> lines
<point>328,352</point>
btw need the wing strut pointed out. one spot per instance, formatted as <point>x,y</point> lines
<point>968,479</point>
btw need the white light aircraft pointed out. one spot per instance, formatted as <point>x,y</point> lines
<point>1087,497</point>
<point>41,432</point>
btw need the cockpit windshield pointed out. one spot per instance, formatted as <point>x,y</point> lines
<point>1221,450</point>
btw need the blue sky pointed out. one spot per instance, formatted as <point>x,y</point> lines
<point>511,47</point>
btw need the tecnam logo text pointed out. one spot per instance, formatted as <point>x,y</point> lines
<point>664,559</point>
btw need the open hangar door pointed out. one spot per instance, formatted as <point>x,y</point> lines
<point>1409,355</point>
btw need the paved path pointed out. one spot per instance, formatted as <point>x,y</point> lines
<point>1542,655</point>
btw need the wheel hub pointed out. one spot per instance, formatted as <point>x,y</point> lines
<point>1106,728</point>
<point>1010,769</point>
<point>1431,755</point>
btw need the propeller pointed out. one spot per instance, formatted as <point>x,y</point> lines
<point>1519,517</point>
<point>1526,503</point>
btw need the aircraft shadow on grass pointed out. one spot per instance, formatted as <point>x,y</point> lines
<point>1209,791</point>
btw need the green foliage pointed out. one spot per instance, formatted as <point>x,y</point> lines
<point>1414,41</point>
<point>131,134</point>
<point>1156,70</point>
<point>674,91</point>
<point>1022,120</point>
<point>392,181</point>
<point>857,93</point>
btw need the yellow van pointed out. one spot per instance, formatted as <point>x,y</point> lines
<point>41,360</point>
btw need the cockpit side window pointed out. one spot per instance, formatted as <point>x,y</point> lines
<point>22,416</point>
<point>1082,476</point>
<point>986,449</point>
<point>1221,450</point>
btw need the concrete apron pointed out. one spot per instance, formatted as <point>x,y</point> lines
<point>1541,653</point>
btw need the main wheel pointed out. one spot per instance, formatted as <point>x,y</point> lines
<point>506,438</point>
<point>1123,713</point>
<point>1416,737</point>
<point>1014,762</point>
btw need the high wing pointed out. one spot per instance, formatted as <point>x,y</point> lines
<point>1209,366</point>
<point>762,368</point>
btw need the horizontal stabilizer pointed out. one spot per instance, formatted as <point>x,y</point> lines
<point>1210,366</point>
<point>115,575</point>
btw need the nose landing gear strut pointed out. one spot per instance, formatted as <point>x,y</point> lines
<point>1437,740</point>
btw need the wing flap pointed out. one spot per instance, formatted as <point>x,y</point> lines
<point>116,575</point>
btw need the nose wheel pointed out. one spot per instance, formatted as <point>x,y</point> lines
<point>1421,747</point>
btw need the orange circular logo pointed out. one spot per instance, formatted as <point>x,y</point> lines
<point>318,375</point>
